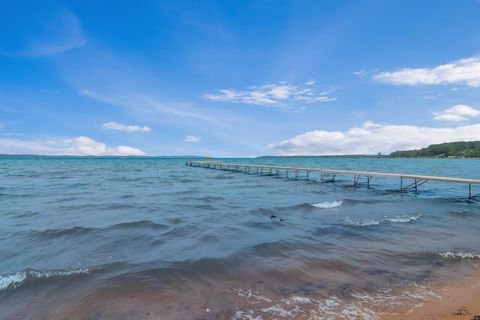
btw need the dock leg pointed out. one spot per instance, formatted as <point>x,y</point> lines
<point>355,179</point>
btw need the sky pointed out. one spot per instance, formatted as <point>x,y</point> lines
<point>237,78</point>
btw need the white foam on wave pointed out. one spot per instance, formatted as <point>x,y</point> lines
<point>245,315</point>
<point>334,308</point>
<point>298,306</point>
<point>249,294</point>
<point>404,219</point>
<point>365,223</point>
<point>406,297</point>
<point>298,300</point>
<point>403,297</point>
<point>14,280</point>
<point>277,310</point>
<point>460,255</point>
<point>327,204</point>
<point>374,222</point>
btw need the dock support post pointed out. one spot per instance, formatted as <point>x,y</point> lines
<point>355,179</point>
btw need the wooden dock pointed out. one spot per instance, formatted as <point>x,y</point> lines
<point>407,181</point>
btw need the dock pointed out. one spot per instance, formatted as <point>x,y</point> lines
<point>407,181</point>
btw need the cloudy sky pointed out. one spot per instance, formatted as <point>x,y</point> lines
<point>237,78</point>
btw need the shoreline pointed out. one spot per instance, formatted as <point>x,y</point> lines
<point>453,299</point>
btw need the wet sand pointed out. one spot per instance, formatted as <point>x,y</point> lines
<point>200,299</point>
<point>459,301</point>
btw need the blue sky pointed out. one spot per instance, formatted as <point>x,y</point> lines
<point>237,78</point>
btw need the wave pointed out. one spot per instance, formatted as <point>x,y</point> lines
<point>327,204</point>
<point>295,306</point>
<point>404,219</point>
<point>55,233</point>
<point>368,305</point>
<point>374,222</point>
<point>138,224</point>
<point>15,280</point>
<point>222,177</point>
<point>366,223</point>
<point>352,201</point>
<point>73,231</point>
<point>459,255</point>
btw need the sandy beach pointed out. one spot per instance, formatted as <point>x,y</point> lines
<point>459,301</point>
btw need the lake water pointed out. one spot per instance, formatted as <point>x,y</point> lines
<point>150,238</point>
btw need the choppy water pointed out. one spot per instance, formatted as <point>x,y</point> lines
<point>153,239</point>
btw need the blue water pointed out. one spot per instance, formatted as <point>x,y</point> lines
<point>113,238</point>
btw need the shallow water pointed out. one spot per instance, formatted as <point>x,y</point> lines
<point>111,238</point>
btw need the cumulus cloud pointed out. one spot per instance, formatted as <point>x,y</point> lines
<point>460,72</point>
<point>459,112</point>
<point>124,127</point>
<point>372,138</point>
<point>191,139</point>
<point>280,94</point>
<point>76,146</point>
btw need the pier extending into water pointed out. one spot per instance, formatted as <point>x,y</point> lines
<point>407,181</point>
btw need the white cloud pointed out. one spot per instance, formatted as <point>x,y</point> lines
<point>360,73</point>
<point>372,138</point>
<point>124,127</point>
<point>191,139</point>
<point>76,146</point>
<point>279,94</point>
<point>459,112</point>
<point>460,72</point>
<point>147,105</point>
